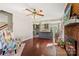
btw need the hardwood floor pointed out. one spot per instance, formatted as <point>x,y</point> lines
<point>38,47</point>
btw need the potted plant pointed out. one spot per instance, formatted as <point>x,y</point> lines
<point>61,43</point>
<point>69,46</point>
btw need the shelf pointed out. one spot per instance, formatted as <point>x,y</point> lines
<point>71,21</point>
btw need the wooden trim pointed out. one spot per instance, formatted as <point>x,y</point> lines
<point>3,26</point>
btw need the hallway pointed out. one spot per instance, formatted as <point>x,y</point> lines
<point>42,47</point>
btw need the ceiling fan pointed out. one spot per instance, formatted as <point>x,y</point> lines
<point>35,12</point>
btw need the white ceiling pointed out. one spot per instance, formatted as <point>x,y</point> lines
<point>51,10</point>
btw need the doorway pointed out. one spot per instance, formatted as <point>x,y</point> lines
<point>56,29</point>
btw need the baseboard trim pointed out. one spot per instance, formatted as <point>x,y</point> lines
<point>27,39</point>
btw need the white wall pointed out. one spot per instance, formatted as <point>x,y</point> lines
<point>22,25</point>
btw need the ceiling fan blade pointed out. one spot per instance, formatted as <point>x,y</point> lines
<point>28,10</point>
<point>40,14</point>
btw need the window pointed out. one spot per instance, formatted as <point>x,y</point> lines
<point>46,26</point>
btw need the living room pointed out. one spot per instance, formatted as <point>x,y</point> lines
<point>37,29</point>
